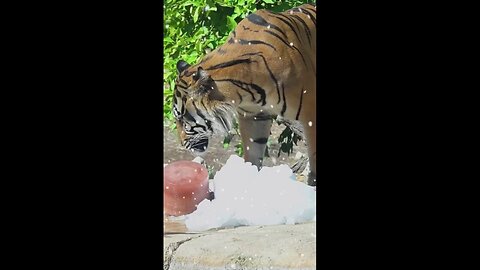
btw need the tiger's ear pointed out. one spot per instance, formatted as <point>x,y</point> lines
<point>201,75</point>
<point>181,66</point>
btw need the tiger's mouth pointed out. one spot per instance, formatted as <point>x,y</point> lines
<point>200,147</point>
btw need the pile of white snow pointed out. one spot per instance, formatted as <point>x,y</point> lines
<point>246,196</point>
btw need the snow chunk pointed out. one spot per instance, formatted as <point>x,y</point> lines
<point>246,196</point>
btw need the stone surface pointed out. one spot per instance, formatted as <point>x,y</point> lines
<point>251,247</point>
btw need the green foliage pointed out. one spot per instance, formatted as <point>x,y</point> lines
<point>287,138</point>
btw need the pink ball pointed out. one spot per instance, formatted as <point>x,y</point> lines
<point>185,185</point>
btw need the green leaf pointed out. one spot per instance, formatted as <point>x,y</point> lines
<point>231,22</point>
<point>195,15</point>
<point>268,1</point>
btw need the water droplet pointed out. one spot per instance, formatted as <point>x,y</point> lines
<point>233,101</point>
<point>248,148</point>
<point>291,43</point>
<point>268,26</point>
<point>183,197</point>
<point>291,12</point>
<point>261,110</point>
<point>194,198</point>
<point>236,40</point>
<point>305,91</point>
<point>251,140</point>
<point>254,118</point>
<point>310,123</point>
<point>244,114</point>
<point>280,58</point>
<point>167,187</point>
<point>308,16</point>
<point>249,43</point>
<point>193,193</point>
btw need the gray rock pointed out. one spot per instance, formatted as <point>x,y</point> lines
<point>250,247</point>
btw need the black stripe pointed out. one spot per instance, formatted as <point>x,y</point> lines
<point>269,71</point>
<point>177,93</point>
<point>288,45</point>
<point>203,104</point>
<point>312,17</point>
<point>262,140</point>
<point>207,122</point>
<point>277,36</point>
<point>284,108</point>
<point>183,81</point>
<point>262,117</point>
<point>312,10</point>
<point>198,111</point>
<point>260,91</point>
<point>245,86</point>
<point>300,105</point>
<point>249,29</point>
<point>188,116</point>
<point>230,63</point>
<point>290,19</point>
<point>240,97</point>
<point>255,42</point>
<point>289,25</point>
<point>306,27</point>
<point>254,18</point>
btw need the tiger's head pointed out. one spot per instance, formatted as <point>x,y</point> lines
<point>199,108</point>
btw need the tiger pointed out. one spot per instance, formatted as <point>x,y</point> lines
<point>266,68</point>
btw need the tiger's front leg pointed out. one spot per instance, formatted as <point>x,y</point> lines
<point>254,132</point>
